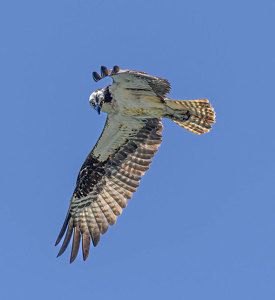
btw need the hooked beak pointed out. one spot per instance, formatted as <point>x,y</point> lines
<point>97,108</point>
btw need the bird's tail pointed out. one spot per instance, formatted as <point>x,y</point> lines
<point>194,115</point>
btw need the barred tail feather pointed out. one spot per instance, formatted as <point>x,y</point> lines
<point>194,115</point>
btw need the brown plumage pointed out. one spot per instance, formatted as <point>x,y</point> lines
<point>113,189</point>
<point>201,114</point>
<point>96,76</point>
<point>104,71</point>
<point>135,104</point>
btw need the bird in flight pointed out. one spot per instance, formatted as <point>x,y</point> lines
<point>135,103</point>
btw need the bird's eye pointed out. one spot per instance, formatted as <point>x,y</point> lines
<point>93,104</point>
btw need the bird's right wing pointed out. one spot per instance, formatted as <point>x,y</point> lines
<point>107,179</point>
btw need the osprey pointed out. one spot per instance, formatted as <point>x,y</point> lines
<point>135,103</point>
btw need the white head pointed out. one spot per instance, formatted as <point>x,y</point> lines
<point>97,99</point>
<point>101,100</point>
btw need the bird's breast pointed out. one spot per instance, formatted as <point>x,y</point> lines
<point>138,103</point>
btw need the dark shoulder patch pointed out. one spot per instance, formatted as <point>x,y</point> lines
<point>107,95</point>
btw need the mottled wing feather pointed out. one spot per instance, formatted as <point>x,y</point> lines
<point>107,180</point>
<point>135,80</point>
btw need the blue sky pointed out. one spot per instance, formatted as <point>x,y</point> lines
<point>202,223</point>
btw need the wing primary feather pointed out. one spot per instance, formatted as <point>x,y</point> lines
<point>63,229</point>
<point>100,218</point>
<point>96,76</point>
<point>104,71</point>
<point>86,242</point>
<point>93,228</point>
<point>115,69</point>
<point>66,239</point>
<point>76,243</point>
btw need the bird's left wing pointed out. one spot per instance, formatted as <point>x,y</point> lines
<point>107,179</point>
<point>136,81</point>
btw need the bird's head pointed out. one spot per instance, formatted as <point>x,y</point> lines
<point>101,100</point>
<point>97,100</point>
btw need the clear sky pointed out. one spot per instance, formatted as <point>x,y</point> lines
<point>202,223</point>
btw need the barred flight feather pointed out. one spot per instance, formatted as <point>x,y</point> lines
<point>107,211</point>
<point>96,206</point>
<point>76,243</point>
<point>86,242</point>
<point>117,210</point>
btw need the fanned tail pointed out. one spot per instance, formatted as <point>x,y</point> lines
<point>194,115</point>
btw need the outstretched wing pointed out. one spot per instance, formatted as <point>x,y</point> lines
<point>136,81</point>
<point>107,179</point>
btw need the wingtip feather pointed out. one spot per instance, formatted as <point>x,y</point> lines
<point>96,76</point>
<point>76,243</point>
<point>115,69</point>
<point>104,71</point>
<point>66,239</point>
<point>63,229</point>
<point>86,242</point>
